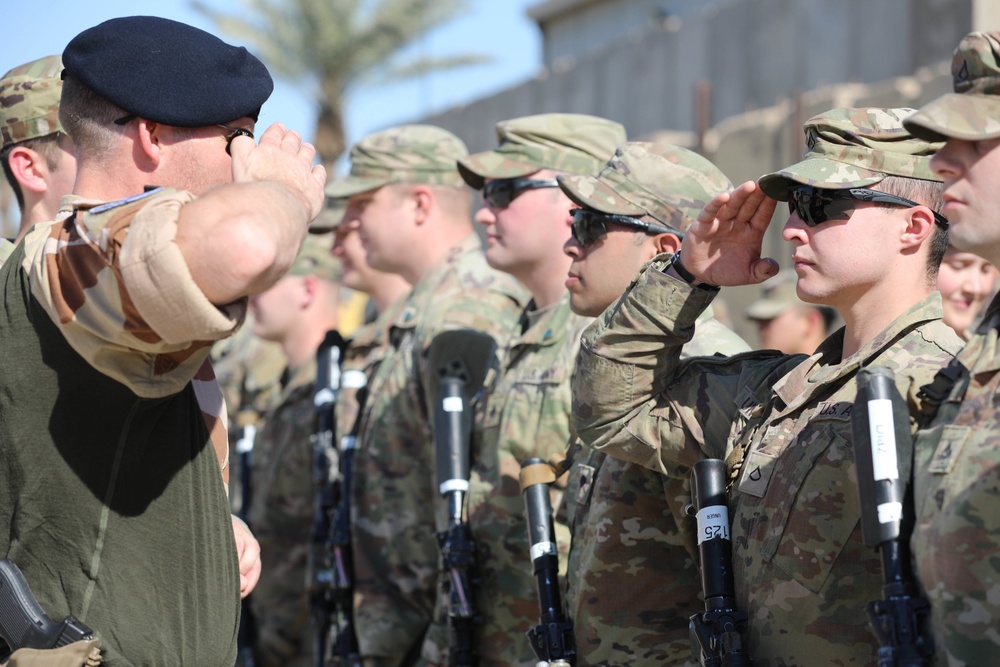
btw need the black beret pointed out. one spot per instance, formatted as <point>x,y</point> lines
<point>168,72</point>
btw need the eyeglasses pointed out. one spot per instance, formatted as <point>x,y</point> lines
<point>590,226</point>
<point>817,205</point>
<point>233,131</point>
<point>501,192</point>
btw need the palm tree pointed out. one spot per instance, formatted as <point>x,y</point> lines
<point>330,46</point>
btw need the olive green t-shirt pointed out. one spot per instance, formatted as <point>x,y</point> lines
<point>111,505</point>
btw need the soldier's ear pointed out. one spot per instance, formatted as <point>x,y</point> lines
<point>148,140</point>
<point>666,243</point>
<point>29,168</point>
<point>423,198</point>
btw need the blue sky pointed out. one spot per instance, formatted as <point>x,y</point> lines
<point>499,29</point>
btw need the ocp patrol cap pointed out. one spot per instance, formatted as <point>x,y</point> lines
<point>29,101</point>
<point>667,183</point>
<point>418,154</point>
<point>853,148</point>
<point>972,112</point>
<point>168,72</point>
<point>566,142</point>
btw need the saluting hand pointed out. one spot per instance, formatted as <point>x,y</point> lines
<point>723,245</point>
<point>281,156</point>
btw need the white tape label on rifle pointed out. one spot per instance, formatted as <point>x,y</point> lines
<point>713,523</point>
<point>890,512</point>
<point>452,404</point>
<point>354,379</point>
<point>543,549</point>
<point>883,439</point>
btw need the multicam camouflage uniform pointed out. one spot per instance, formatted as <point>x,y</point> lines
<point>958,470</point>
<point>633,580</point>
<point>526,415</point>
<point>281,512</point>
<point>249,373</point>
<point>527,409</point>
<point>802,573</point>
<point>394,495</point>
<point>283,497</point>
<point>29,109</point>
<point>129,369</point>
<point>366,350</point>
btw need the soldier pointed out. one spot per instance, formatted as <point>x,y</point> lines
<point>633,576</point>
<point>867,242</point>
<point>412,211</point>
<point>958,522</point>
<point>367,345</point>
<point>37,155</point>
<point>112,495</point>
<point>526,411</point>
<point>296,312</point>
<point>966,282</point>
<point>787,323</point>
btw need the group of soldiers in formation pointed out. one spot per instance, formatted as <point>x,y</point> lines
<point>587,355</point>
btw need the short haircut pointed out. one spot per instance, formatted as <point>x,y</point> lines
<point>48,147</point>
<point>89,119</point>
<point>931,195</point>
<point>454,202</point>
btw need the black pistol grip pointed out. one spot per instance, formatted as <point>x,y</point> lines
<point>23,623</point>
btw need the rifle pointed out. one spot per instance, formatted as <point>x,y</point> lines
<point>552,639</point>
<point>331,585</point>
<point>23,623</point>
<point>716,639</point>
<point>345,647</point>
<point>459,361</point>
<point>879,422</point>
<point>246,420</point>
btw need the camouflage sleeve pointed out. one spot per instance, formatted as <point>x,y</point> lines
<point>117,286</point>
<point>635,399</point>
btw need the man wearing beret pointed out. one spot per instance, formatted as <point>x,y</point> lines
<point>112,494</point>
<point>787,323</point>
<point>632,579</point>
<point>527,408</point>
<point>867,241</point>
<point>958,472</point>
<point>37,155</point>
<point>295,312</point>
<point>412,210</point>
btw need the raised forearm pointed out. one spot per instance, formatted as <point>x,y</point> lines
<point>239,239</point>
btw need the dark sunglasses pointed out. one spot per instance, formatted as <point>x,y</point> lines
<point>501,192</point>
<point>817,205</point>
<point>233,131</point>
<point>590,226</point>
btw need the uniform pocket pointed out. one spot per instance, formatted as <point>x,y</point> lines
<point>815,509</point>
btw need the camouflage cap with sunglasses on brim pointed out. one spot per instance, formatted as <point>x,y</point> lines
<point>565,142</point>
<point>972,112</point>
<point>665,183</point>
<point>854,148</point>
<point>418,154</point>
<point>29,100</point>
